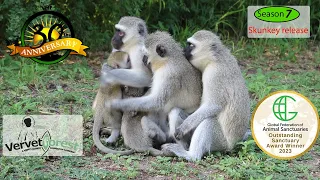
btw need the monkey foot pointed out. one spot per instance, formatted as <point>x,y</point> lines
<point>176,149</point>
<point>170,148</point>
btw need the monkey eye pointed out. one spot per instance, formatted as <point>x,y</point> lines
<point>190,44</point>
<point>121,33</point>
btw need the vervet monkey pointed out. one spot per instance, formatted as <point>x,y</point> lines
<point>133,127</point>
<point>130,37</point>
<point>117,59</point>
<point>223,116</point>
<point>176,83</point>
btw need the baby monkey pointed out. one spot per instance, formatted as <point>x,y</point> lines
<point>107,92</point>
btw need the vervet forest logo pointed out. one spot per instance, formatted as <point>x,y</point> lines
<point>285,124</point>
<point>56,135</point>
<point>47,37</point>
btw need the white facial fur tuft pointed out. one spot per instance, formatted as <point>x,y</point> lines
<point>196,44</point>
<point>122,28</point>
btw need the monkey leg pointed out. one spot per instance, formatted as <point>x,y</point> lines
<point>207,137</point>
<point>176,118</point>
<point>115,125</point>
<point>150,150</point>
<point>115,133</point>
<point>152,129</point>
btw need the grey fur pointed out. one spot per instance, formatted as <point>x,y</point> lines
<point>223,116</point>
<point>176,83</point>
<point>132,127</point>
<point>139,75</point>
<point>106,115</point>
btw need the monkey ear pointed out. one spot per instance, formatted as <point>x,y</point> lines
<point>161,50</point>
<point>141,29</point>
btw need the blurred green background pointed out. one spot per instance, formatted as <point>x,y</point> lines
<point>94,21</point>
<point>69,87</point>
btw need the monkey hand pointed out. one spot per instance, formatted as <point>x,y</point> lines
<point>108,105</point>
<point>181,131</point>
<point>106,68</point>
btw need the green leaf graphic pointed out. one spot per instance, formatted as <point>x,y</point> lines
<point>46,141</point>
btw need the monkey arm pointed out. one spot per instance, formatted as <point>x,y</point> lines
<point>128,77</point>
<point>203,112</point>
<point>155,101</point>
<point>144,103</point>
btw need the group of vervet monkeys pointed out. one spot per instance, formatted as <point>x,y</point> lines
<point>197,101</point>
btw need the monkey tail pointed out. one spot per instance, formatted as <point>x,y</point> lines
<point>97,124</point>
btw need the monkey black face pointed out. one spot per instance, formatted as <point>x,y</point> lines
<point>117,39</point>
<point>188,49</point>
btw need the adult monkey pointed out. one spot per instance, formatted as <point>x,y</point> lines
<point>130,37</point>
<point>176,83</point>
<point>223,116</point>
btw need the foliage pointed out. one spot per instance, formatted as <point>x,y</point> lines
<point>29,87</point>
<point>94,21</point>
<point>69,88</point>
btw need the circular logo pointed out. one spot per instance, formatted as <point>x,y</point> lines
<point>280,108</point>
<point>285,124</point>
<point>43,27</point>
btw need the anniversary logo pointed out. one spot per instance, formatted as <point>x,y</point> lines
<point>285,124</point>
<point>47,37</point>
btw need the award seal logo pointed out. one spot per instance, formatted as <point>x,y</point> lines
<point>47,37</point>
<point>285,125</point>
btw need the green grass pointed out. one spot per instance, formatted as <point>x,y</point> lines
<point>268,66</point>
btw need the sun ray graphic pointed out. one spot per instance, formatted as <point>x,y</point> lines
<point>32,29</point>
<point>42,22</point>
<point>50,21</point>
<point>61,23</point>
<point>30,32</point>
<point>55,21</point>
